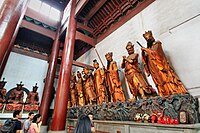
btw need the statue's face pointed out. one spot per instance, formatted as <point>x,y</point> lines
<point>19,87</point>
<point>96,65</point>
<point>79,75</point>
<point>109,58</point>
<point>1,86</point>
<point>85,71</point>
<point>34,89</point>
<point>130,49</point>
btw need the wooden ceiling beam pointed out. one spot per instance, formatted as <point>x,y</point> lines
<point>80,5</point>
<point>79,64</point>
<point>38,29</point>
<point>95,9</point>
<point>84,27</point>
<point>86,39</point>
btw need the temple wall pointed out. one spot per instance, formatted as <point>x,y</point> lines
<point>26,69</point>
<point>180,42</point>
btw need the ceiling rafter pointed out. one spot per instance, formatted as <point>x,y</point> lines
<point>95,9</point>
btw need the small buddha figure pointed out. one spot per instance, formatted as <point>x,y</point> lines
<point>79,87</point>
<point>32,100</point>
<point>33,97</point>
<point>115,87</point>
<point>15,99</point>
<point>99,83</point>
<point>17,94</point>
<point>90,93</point>
<point>73,91</point>
<point>136,81</point>
<point>2,91</point>
<point>157,65</point>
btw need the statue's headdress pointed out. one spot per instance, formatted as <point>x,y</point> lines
<point>109,54</point>
<point>129,44</point>
<point>20,84</point>
<point>3,81</point>
<point>95,61</point>
<point>147,34</point>
<point>35,86</point>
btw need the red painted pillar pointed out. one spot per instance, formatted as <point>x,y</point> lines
<point>5,59</point>
<point>48,87</point>
<point>11,11</point>
<point>60,108</point>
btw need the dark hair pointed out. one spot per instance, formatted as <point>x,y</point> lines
<point>83,125</point>
<point>35,118</point>
<point>16,112</point>
<point>30,113</point>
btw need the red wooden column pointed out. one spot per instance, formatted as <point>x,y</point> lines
<point>5,59</point>
<point>60,108</point>
<point>11,11</point>
<point>48,87</point>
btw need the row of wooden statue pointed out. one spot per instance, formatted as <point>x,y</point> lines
<point>16,95</point>
<point>105,85</point>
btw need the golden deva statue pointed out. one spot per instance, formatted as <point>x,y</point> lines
<point>90,95</point>
<point>79,87</point>
<point>157,65</point>
<point>115,87</point>
<point>99,83</point>
<point>73,92</point>
<point>135,79</point>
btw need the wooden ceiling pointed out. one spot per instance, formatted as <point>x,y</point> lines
<point>96,19</point>
<point>100,15</point>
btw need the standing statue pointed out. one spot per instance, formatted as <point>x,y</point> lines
<point>99,83</point>
<point>136,81</point>
<point>90,95</point>
<point>157,65</point>
<point>2,91</point>
<point>116,91</point>
<point>32,100</point>
<point>73,92</point>
<point>79,87</point>
<point>33,97</point>
<point>17,94</point>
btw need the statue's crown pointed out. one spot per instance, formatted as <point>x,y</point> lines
<point>95,61</point>
<point>147,34</point>
<point>109,54</point>
<point>129,44</point>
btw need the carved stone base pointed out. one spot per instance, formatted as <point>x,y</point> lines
<point>12,106</point>
<point>128,111</point>
<point>31,107</point>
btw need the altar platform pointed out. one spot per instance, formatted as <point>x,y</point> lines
<point>134,127</point>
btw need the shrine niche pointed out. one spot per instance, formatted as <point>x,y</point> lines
<point>2,93</point>
<point>32,100</point>
<point>15,97</point>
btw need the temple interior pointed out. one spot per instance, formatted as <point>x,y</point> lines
<point>132,64</point>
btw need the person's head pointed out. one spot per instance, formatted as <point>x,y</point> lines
<point>90,115</point>
<point>95,64</point>
<point>148,36</point>
<point>109,56</point>
<point>83,125</point>
<point>130,48</point>
<point>37,118</point>
<point>30,115</point>
<point>17,114</point>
